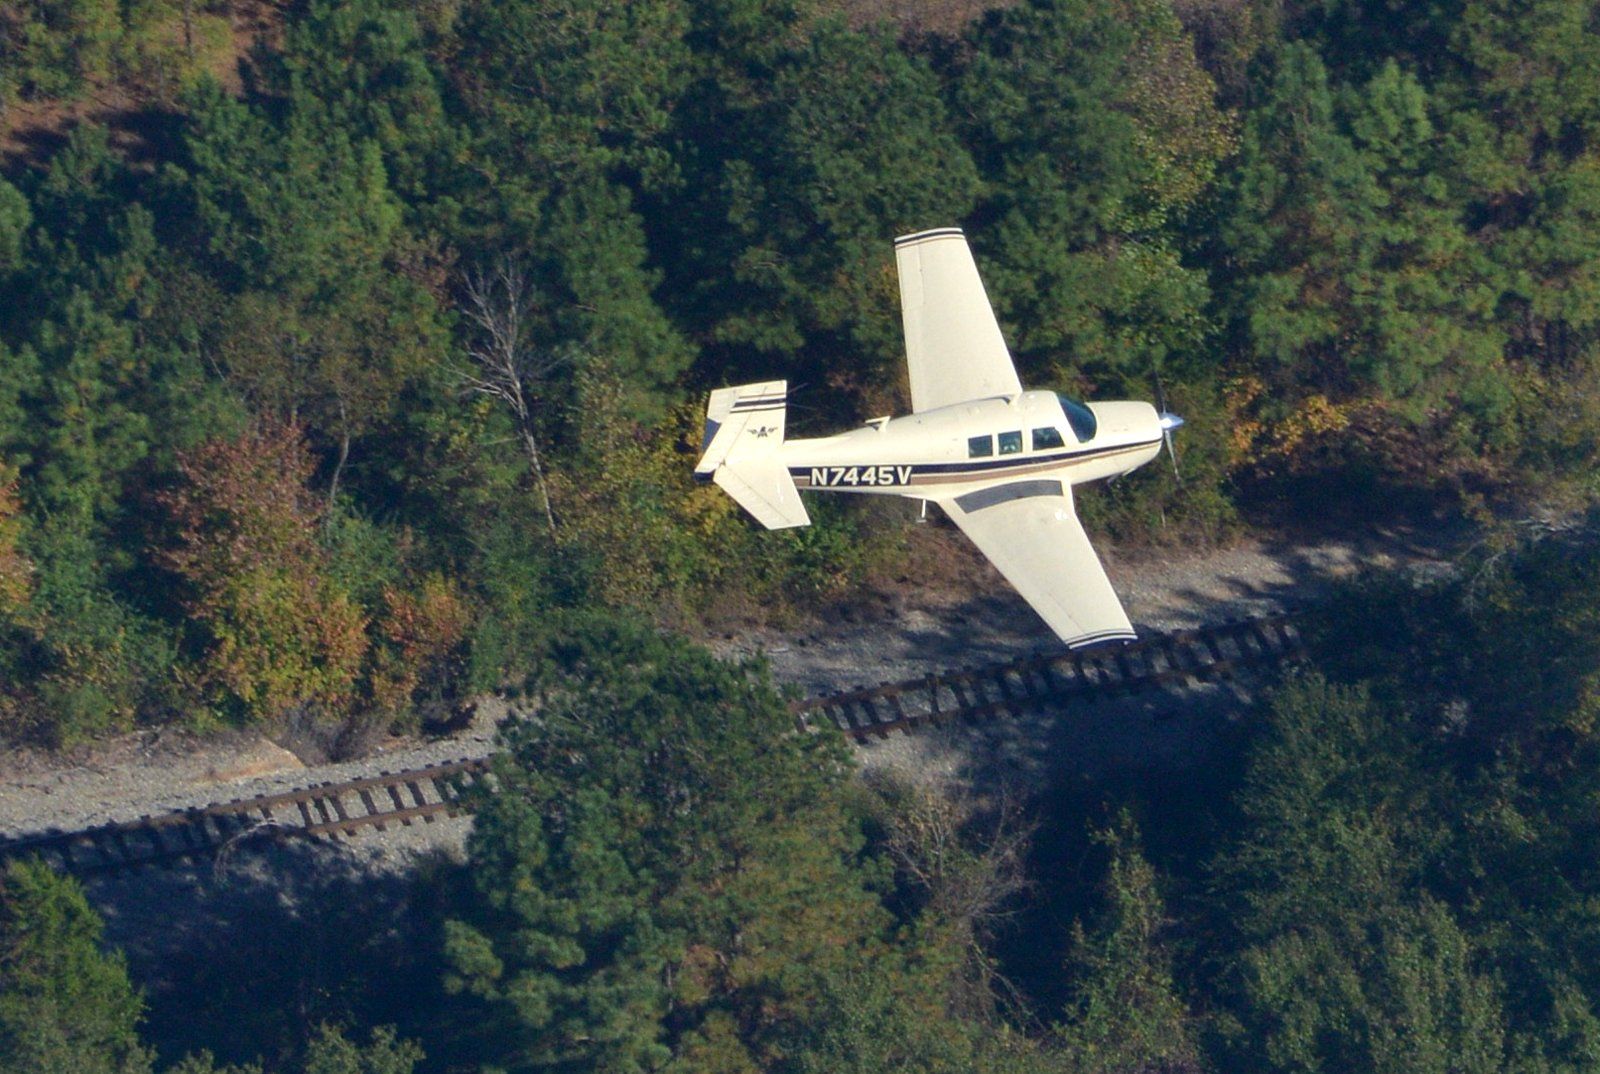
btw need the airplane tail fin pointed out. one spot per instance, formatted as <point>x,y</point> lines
<point>744,430</point>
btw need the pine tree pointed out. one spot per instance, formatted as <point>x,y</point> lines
<point>65,1007</point>
<point>665,868</point>
<point>1126,1015</point>
<point>1079,244</point>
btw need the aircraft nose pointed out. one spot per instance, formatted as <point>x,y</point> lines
<point>1169,422</point>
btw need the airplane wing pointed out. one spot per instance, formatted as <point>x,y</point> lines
<point>1029,530</point>
<point>953,344</point>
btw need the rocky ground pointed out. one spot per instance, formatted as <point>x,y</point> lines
<point>206,938</point>
<point>900,637</point>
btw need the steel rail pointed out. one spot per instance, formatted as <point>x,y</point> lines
<point>332,808</point>
<point>1207,654</point>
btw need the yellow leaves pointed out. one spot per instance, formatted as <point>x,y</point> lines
<point>1270,443</point>
<point>1181,134</point>
<point>421,629</point>
<point>716,1048</point>
<point>285,638</point>
<point>698,977</point>
<point>634,508</point>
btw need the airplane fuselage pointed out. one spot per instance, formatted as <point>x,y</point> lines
<point>956,449</point>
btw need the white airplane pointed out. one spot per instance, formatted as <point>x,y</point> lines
<point>1000,461</point>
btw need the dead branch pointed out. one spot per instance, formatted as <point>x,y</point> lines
<point>504,364</point>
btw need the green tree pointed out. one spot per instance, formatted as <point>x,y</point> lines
<point>1125,1014</point>
<point>1345,960</point>
<point>365,64</point>
<point>15,216</point>
<point>330,1052</point>
<point>563,110</point>
<point>665,868</point>
<point>1360,280</point>
<point>1083,197</point>
<point>299,223</point>
<point>864,1024</point>
<point>65,1006</point>
<point>55,48</point>
<point>1398,994</point>
<point>795,187</point>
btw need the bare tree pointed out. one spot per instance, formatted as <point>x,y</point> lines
<point>505,364</point>
<point>967,858</point>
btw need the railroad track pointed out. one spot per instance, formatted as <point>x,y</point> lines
<point>1209,654</point>
<point>419,795</point>
<point>422,795</point>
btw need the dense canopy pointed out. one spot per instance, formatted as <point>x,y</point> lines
<point>352,363</point>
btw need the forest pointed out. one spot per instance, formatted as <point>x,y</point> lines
<point>353,358</point>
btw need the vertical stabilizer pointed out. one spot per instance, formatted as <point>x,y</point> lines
<point>744,432</point>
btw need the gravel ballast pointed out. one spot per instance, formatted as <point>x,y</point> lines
<point>157,772</point>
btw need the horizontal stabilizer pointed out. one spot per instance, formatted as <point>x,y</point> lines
<point>742,449</point>
<point>764,488</point>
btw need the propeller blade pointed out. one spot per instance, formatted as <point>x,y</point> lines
<point>1169,422</point>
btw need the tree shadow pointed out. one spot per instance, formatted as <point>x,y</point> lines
<point>247,956</point>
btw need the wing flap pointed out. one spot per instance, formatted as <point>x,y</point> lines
<point>954,350</point>
<point>1030,532</point>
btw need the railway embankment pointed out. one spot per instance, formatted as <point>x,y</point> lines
<point>922,637</point>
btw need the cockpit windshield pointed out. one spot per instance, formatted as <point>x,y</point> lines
<point>1080,417</point>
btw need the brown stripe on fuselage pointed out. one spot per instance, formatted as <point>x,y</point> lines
<point>803,480</point>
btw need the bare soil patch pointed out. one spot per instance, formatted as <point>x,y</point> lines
<point>136,115</point>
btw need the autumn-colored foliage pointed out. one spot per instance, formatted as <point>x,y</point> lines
<point>278,632</point>
<point>420,630</point>
<point>1268,444</point>
<point>16,573</point>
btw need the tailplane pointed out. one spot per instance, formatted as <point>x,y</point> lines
<point>744,430</point>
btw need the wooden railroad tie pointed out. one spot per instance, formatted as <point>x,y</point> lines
<point>421,795</point>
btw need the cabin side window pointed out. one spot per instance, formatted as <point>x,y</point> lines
<point>1011,443</point>
<point>1081,418</point>
<point>979,447</point>
<point>1048,437</point>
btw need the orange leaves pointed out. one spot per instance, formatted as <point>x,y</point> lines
<point>426,624</point>
<point>422,629</point>
<point>245,505</point>
<point>281,633</point>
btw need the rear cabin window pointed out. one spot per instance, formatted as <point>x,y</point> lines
<point>1011,443</point>
<point>979,446</point>
<point>1048,437</point>
<point>1080,417</point>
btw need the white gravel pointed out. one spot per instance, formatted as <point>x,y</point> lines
<point>199,924</point>
<point>152,773</point>
<point>906,636</point>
